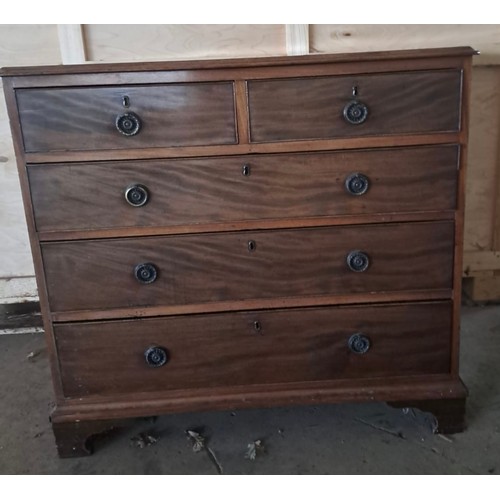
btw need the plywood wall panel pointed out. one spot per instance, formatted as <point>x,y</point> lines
<point>29,44</point>
<point>121,42</point>
<point>483,159</point>
<point>366,37</point>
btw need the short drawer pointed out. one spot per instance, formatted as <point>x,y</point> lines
<point>354,105</point>
<point>242,188</point>
<point>198,269</point>
<point>257,347</point>
<point>98,118</point>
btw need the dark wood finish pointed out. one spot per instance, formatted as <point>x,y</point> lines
<point>214,190</point>
<point>267,62</point>
<point>290,345</point>
<point>237,74</point>
<point>443,246</point>
<point>449,414</point>
<point>421,387</point>
<point>311,108</point>
<point>241,103</point>
<point>76,439</point>
<point>249,305</point>
<point>219,267</point>
<point>73,420</point>
<point>84,118</point>
<point>241,149</point>
<point>302,222</point>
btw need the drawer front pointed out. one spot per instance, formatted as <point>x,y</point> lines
<point>243,188</point>
<point>313,108</point>
<point>295,345</point>
<point>196,269</point>
<point>86,118</point>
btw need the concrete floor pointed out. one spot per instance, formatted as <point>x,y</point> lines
<point>332,439</point>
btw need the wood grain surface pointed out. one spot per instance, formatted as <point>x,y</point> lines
<point>311,108</point>
<point>219,267</point>
<point>130,42</point>
<point>214,190</point>
<point>295,345</point>
<point>84,118</point>
<point>410,59</point>
<point>332,38</point>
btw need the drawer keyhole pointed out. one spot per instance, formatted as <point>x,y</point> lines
<point>245,170</point>
<point>257,326</point>
<point>252,246</point>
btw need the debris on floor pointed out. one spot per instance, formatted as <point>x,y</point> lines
<point>395,433</point>
<point>197,439</point>
<point>445,438</point>
<point>254,449</point>
<point>199,444</point>
<point>144,439</point>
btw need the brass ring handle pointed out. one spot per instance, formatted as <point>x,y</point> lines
<point>358,261</point>
<point>355,112</point>
<point>146,273</point>
<point>137,195</point>
<point>128,124</point>
<point>357,184</point>
<point>359,343</point>
<point>156,356</point>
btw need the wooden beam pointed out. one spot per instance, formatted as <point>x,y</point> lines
<point>483,288</point>
<point>297,39</point>
<point>71,43</point>
<point>480,261</point>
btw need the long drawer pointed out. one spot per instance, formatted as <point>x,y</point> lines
<point>194,269</point>
<point>354,105</point>
<point>142,116</point>
<point>216,190</point>
<point>257,347</point>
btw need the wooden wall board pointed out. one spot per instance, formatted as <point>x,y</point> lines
<point>71,43</point>
<point>29,44</point>
<point>483,288</point>
<point>483,160</point>
<point>120,42</point>
<point>365,37</point>
<point>477,263</point>
<point>297,39</point>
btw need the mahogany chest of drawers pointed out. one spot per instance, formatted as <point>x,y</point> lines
<point>240,233</point>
